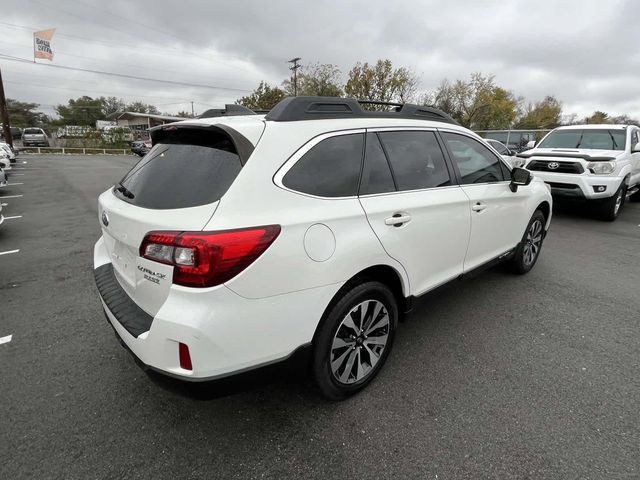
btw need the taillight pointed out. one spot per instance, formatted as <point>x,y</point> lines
<point>206,259</point>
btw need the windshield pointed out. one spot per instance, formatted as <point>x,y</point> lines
<point>33,131</point>
<point>604,139</point>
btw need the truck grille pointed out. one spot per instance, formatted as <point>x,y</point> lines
<point>562,167</point>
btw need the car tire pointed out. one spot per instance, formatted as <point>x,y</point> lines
<point>610,208</point>
<point>528,250</point>
<point>346,354</point>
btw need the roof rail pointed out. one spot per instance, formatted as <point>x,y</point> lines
<point>314,108</point>
<point>229,110</point>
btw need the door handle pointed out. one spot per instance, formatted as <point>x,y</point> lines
<point>478,207</point>
<point>397,220</point>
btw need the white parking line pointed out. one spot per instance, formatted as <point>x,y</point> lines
<point>11,196</point>
<point>11,218</point>
<point>17,174</point>
<point>13,184</point>
<point>6,339</point>
<point>9,251</point>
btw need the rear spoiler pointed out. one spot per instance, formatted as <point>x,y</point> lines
<point>243,146</point>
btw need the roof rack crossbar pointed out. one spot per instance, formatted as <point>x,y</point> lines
<point>313,108</point>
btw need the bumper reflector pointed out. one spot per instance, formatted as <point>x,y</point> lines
<point>185,357</point>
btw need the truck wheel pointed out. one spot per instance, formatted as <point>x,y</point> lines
<point>354,340</point>
<point>610,207</point>
<point>528,250</point>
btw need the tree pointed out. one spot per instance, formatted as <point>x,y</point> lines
<point>184,114</point>
<point>264,97</point>
<point>112,105</point>
<point>381,82</point>
<point>316,80</point>
<point>545,114</point>
<point>141,107</point>
<point>23,114</point>
<point>82,111</point>
<point>597,117</point>
<point>477,103</point>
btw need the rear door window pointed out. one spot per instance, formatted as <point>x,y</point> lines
<point>416,159</point>
<point>188,168</point>
<point>329,169</point>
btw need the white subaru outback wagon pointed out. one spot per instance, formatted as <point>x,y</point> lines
<point>241,241</point>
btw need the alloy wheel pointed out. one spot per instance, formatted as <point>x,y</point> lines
<point>533,242</point>
<point>618,203</point>
<point>360,341</point>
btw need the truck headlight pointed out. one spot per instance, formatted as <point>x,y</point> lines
<point>601,168</point>
<point>518,162</point>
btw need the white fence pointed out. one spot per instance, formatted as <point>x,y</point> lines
<point>75,151</point>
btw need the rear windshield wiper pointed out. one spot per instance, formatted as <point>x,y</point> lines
<point>122,189</point>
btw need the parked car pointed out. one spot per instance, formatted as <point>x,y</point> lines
<point>5,162</point>
<point>34,137</point>
<point>237,242</point>
<point>596,163</point>
<point>141,147</point>
<point>514,140</point>
<point>502,149</point>
<point>9,151</point>
<point>16,133</point>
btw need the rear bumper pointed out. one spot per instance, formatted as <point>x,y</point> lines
<point>226,333</point>
<point>576,186</point>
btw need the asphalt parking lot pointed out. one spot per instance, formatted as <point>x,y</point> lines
<point>499,376</point>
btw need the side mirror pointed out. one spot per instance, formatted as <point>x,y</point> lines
<point>636,148</point>
<point>530,144</point>
<point>519,177</point>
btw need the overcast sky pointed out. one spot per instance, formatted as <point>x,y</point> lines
<point>587,53</point>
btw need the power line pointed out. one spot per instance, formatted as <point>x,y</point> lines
<point>120,75</point>
<point>136,22</point>
<point>91,58</point>
<point>148,50</point>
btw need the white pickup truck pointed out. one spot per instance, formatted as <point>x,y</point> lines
<point>597,163</point>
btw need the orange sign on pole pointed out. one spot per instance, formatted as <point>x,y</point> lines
<point>42,44</point>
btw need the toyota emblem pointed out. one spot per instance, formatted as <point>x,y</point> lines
<point>553,165</point>
<point>105,219</point>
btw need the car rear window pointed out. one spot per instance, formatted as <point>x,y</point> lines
<point>187,168</point>
<point>32,131</point>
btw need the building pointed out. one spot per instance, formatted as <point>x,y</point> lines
<point>140,123</point>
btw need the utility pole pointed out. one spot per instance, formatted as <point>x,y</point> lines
<point>4,114</point>
<point>193,115</point>
<point>294,68</point>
